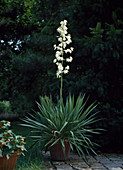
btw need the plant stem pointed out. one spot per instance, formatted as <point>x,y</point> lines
<point>61,84</point>
<point>61,87</point>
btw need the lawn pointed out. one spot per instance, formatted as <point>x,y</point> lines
<point>33,159</point>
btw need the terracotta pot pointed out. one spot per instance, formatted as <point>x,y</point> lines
<point>56,151</point>
<point>10,163</point>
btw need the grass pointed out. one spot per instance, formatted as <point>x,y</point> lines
<point>33,159</point>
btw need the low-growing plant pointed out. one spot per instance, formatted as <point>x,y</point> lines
<point>10,142</point>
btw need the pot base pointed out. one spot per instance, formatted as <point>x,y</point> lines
<point>56,151</point>
<point>10,163</point>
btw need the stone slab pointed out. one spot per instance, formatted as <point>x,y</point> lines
<point>115,159</point>
<point>100,169</point>
<point>97,165</point>
<point>84,165</point>
<point>64,167</point>
<point>115,169</point>
<point>111,165</point>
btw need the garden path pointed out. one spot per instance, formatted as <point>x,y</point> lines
<point>101,162</point>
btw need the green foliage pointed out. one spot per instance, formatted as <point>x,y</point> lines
<point>70,121</point>
<point>9,142</point>
<point>5,107</point>
<point>33,159</point>
<point>97,31</point>
<point>2,107</point>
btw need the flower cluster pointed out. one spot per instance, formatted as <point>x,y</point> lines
<point>9,142</point>
<point>64,40</point>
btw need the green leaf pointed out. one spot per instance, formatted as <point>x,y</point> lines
<point>0,153</point>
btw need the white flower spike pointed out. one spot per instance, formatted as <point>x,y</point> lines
<point>64,39</point>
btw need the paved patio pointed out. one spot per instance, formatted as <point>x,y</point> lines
<point>101,162</point>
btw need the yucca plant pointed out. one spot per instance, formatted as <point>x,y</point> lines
<point>60,122</point>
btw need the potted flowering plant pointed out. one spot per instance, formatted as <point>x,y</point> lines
<point>61,127</point>
<point>11,146</point>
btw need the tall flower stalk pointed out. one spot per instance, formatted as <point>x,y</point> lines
<point>61,49</point>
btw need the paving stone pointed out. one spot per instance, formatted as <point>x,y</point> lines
<point>117,156</point>
<point>80,163</point>
<point>58,163</point>
<point>115,159</point>
<point>114,168</point>
<point>91,159</point>
<point>85,169</point>
<point>78,166</point>
<point>75,161</point>
<point>64,167</point>
<point>100,156</point>
<point>111,165</point>
<point>90,162</point>
<point>97,165</point>
<point>75,157</point>
<point>103,160</point>
<point>118,162</point>
<point>100,168</point>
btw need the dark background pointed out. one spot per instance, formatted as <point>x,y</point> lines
<point>27,70</point>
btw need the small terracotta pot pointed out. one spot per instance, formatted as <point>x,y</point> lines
<point>10,163</point>
<point>56,151</point>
